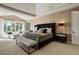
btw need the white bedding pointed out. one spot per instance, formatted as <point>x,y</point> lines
<point>44,36</point>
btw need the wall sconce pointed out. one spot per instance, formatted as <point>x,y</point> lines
<point>61,24</point>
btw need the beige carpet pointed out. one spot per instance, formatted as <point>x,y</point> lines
<point>9,47</point>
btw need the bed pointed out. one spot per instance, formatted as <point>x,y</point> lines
<point>42,38</point>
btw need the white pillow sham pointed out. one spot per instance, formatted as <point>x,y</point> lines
<point>40,30</point>
<point>49,30</point>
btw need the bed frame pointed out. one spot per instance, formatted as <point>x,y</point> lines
<point>46,25</point>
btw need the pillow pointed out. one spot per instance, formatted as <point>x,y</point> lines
<point>40,30</point>
<point>49,30</point>
<point>44,31</point>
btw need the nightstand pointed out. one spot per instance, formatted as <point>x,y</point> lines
<point>61,37</point>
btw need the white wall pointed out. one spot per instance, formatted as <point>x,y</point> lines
<point>2,34</point>
<point>1,27</point>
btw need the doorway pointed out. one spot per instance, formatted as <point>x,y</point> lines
<point>75,27</point>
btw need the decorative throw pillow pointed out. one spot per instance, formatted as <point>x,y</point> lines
<point>44,30</point>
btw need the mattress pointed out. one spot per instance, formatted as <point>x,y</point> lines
<point>45,37</point>
<point>40,36</point>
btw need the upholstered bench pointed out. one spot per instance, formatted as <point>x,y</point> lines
<point>26,41</point>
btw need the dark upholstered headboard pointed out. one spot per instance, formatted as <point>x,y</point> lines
<point>47,25</point>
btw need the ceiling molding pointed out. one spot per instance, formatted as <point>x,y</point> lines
<point>12,17</point>
<point>14,9</point>
<point>67,7</point>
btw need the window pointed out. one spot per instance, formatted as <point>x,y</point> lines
<point>12,26</point>
<point>17,26</point>
<point>4,27</point>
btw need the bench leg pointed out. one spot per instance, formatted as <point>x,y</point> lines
<point>28,50</point>
<point>38,46</point>
<point>16,42</point>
